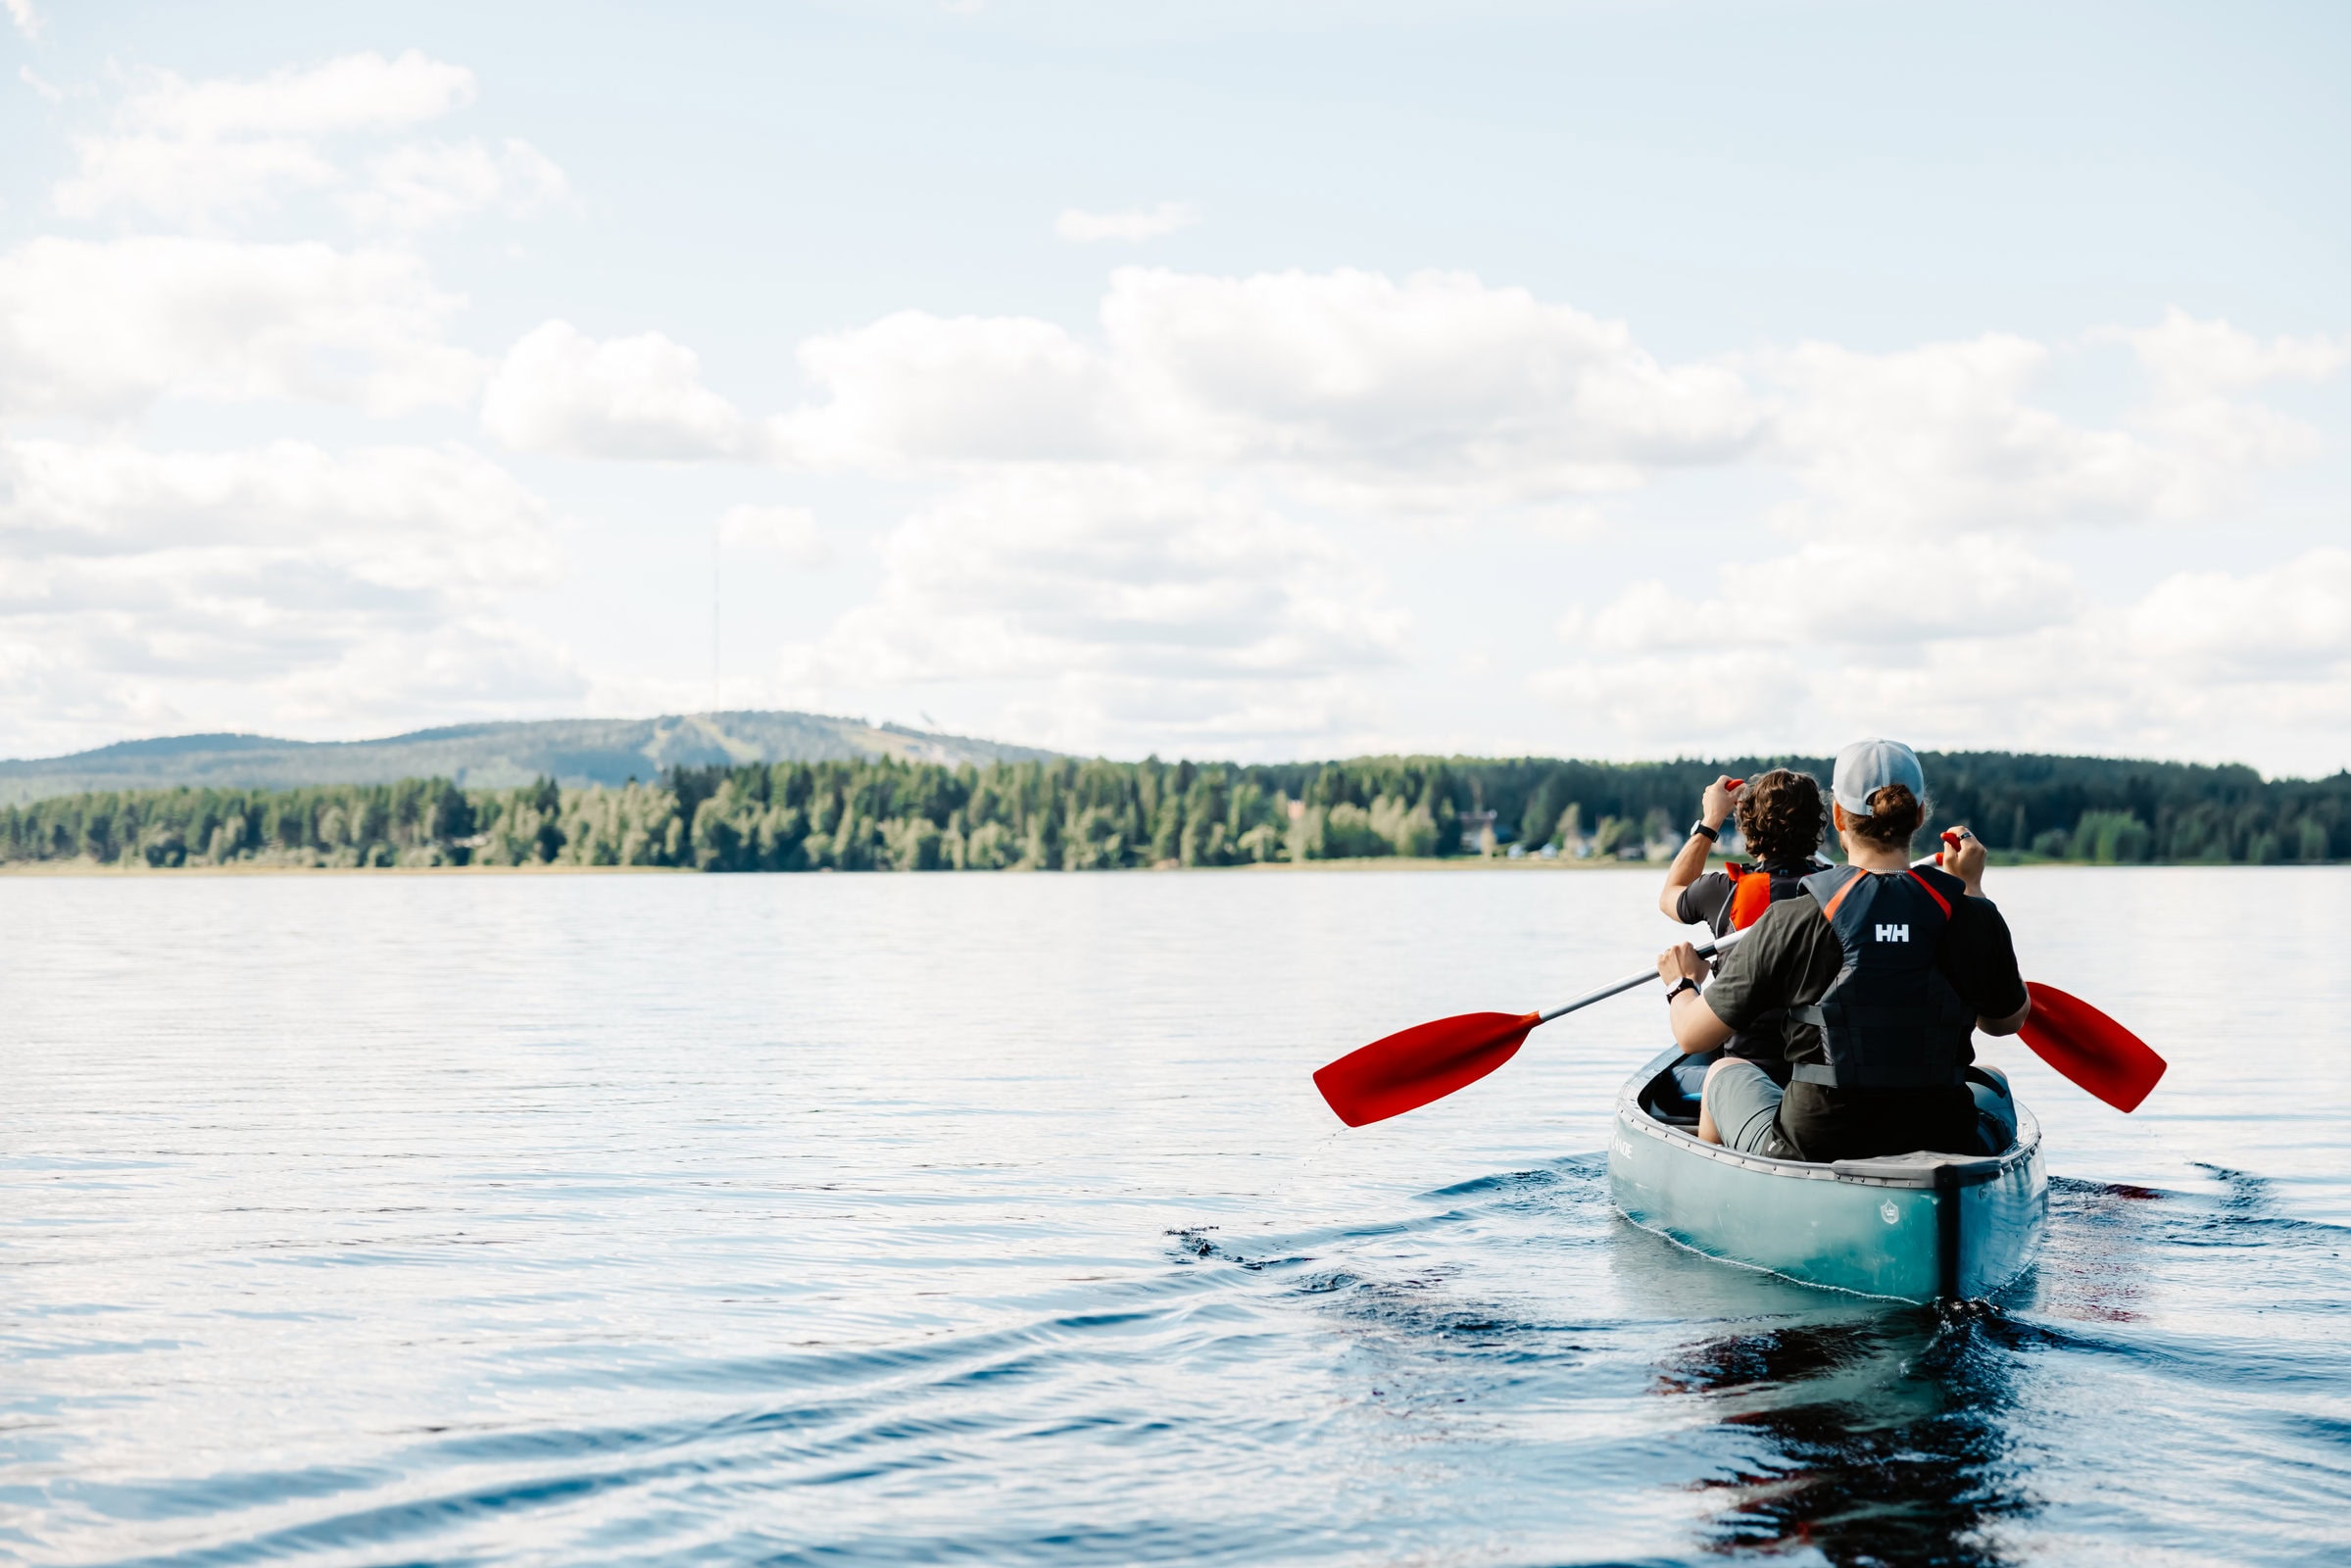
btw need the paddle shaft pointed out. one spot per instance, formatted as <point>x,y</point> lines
<point>1706,950</point>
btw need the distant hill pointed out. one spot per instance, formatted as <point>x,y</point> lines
<point>499,756</point>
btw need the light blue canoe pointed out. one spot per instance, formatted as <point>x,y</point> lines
<point>1914,1227</point>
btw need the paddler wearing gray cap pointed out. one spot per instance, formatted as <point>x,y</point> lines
<point>1882,971</point>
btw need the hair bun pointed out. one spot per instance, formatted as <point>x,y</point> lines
<point>1895,815</point>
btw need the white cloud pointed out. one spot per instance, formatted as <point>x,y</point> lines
<point>349,93</point>
<point>1945,439</point>
<point>1925,479</point>
<point>2194,359</point>
<point>280,584</point>
<point>1440,384</point>
<point>1130,607</point>
<point>428,183</point>
<point>558,390</point>
<point>1149,222</point>
<point>189,181</point>
<point>915,389</point>
<point>2289,621</point>
<point>1441,396</point>
<point>26,19</point>
<point>1690,700</point>
<point>101,329</point>
<point>1874,594</point>
<point>47,91</point>
<point>1135,523</point>
<point>1877,594</point>
<point>212,153</point>
<point>433,519</point>
<point>789,532</point>
<point>2204,664</point>
<point>1940,438</point>
<point>1435,394</point>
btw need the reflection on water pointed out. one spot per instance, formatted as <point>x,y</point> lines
<point>904,1220</point>
<point>2100,1273</point>
<point>1884,1438</point>
<point>1997,1432</point>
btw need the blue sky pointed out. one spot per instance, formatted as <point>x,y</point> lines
<point>1616,379</point>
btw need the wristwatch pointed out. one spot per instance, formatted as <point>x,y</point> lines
<point>1686,983</point>
<point>1712,837</point>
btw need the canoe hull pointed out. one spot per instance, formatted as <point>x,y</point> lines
<point>1917,1228</point>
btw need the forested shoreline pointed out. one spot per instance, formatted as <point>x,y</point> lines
<point>1071,815</point>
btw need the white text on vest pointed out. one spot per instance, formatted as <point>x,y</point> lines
<point>1893,933</point>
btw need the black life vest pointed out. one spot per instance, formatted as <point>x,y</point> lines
<point>1891,1019</point>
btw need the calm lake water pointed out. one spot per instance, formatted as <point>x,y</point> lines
<point>994,1219</point>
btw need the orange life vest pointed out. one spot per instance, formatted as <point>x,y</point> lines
<point>1757,888</point>
<point>1754,889</point>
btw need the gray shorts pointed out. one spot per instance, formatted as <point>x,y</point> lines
<point>1745,1104</point>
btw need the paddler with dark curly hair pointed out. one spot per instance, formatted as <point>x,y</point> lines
<point>1781,816</point>
<point>1881,972</point>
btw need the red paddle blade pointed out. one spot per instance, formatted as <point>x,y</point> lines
<point>2089,1048</point>
<point>1427,1062</point>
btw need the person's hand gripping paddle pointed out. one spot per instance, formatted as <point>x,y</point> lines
<point>1428,1061</point>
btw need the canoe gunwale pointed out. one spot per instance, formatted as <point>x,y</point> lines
<point>1922,1171</point>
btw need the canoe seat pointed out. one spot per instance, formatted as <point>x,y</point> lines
<point>1672,1096</point>
<point>1995,1109</point>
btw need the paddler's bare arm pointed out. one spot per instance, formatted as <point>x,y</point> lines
<point>2008,1025</point>
<point>1714,809</point>
<point>1965,860</point>
<point>1696,1030</point>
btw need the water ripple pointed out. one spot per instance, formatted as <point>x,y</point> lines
<point>663,1221</point>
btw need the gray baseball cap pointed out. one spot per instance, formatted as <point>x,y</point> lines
<point>1867,767</point>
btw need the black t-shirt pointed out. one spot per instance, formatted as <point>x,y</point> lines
<point>1789,958</point>
<point>1707,903</point>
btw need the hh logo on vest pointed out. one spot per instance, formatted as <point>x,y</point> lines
<point>1893,933</point>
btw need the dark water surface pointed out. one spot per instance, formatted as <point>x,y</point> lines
<point>994,1220</point>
